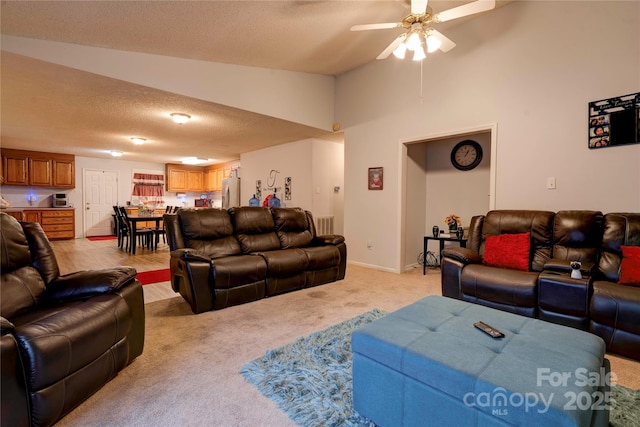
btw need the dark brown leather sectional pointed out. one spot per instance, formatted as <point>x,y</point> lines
<point>221,258</point>
<point>63,337</point>
<point>596,303</point>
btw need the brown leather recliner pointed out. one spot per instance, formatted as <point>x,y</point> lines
<point>615,308</point>
<point>63,337</point>
<point>465,277</point>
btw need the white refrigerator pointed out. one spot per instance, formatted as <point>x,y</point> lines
<point>230,192</point>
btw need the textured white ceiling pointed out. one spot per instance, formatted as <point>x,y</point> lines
<point>54,108</point>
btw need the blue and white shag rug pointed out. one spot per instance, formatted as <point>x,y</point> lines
<point>310,379</point>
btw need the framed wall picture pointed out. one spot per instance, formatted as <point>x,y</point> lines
<point>375,178</point>
<point>614,121</point>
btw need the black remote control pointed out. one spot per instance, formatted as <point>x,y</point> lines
<point>489,330</point>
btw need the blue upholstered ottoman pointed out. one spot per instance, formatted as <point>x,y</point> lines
<point>426,364</point>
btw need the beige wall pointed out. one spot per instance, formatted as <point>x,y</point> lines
<point>528,68</point>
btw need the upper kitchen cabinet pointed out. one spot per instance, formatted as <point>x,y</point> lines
<point>38,169</point>
<point>184,178</point>
<point>14,168</point>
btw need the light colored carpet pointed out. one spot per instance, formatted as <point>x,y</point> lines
<point>188,374</point>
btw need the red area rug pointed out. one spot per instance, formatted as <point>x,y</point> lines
<point>98,238</point>
<point>154,276</point>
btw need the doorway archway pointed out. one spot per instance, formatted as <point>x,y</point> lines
<point>413,204</point>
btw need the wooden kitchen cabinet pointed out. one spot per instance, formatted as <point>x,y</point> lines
<point>40,172</point>
<point>214,179</point>
<point>195,180</point>
<point>181,178</point>
<point>14,168</point>
<point>58,223</point>
<point>63,173</point>
<point>31,216</point>
<point>16,214</point>
<point>38,169</point>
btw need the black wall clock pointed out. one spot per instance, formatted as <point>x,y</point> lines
<point>466,155</point>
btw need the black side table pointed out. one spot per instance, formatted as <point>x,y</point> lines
<point>564,300</point>
<point>441,240</point>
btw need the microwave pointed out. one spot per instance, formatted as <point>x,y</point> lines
<point>60,200</point>
<point>202,203</point>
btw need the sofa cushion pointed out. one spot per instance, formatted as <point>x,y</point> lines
<point>620,229</point>
<point>292,227</point>
<point>577,235</point>
<point>630,266</point>
<point>285,262</point>
<point>538,223</point>
<point>21,290</point>
<point>499,285</point>
<point>254,228</point>
<point>233,271</point>
<point>508,251</point>
<point>615,305</point>
<point>209,231</point>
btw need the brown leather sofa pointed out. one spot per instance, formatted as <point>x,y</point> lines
<point>221,258</point>
<point>545,289</point>
<point>63,337</point>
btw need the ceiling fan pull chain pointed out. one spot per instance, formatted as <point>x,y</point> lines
<point>421,62</point>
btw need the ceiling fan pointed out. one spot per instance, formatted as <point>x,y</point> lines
<point>418,31</point>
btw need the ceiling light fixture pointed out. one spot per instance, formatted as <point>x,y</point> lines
<point>138,141</point>
<point>116,153</point>
<point>415,40</point>
<point>195,161</point>
<point>180,117</point>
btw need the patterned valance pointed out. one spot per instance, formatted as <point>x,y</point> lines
<point>148,189</point>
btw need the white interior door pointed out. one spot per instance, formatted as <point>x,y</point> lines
<point>100,195</point>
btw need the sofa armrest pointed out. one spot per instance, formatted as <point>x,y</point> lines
<point>564,266</point>
<point>328,239</point>
<point>6,325</point>
<point>87,283</point>
<point>189,254</point>
<point>463,255</point>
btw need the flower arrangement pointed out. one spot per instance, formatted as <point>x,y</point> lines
<point>453,221</point>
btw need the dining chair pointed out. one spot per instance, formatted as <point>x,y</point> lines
<point>146,235</point>
<point>117,221</point>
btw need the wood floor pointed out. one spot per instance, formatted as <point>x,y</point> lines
<point>82,254</point>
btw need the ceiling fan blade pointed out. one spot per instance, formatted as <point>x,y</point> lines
<point>447,43</point>
<point>418,7</point>
<point>394,44</point>
<point>365,27</point>
<point>464,10</point>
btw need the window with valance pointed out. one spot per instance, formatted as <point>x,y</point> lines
<point>148,189</point>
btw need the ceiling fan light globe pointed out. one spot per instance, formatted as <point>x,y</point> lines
<point>433,43</point>
<point>419,54</point>
<point>413,42</point>
<point>400,51</point>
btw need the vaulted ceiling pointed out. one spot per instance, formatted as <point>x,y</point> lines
<point>50,107</point>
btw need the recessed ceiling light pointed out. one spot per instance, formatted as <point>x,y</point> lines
<point>138,141</point>
<point>180,117</point>
<point>116,153</point>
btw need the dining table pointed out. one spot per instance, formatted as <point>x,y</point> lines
<point>134,219</point>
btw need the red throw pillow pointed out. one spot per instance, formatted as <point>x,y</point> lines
<point>630,266</point>
<point>508,251</point>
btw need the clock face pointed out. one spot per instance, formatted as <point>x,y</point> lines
<point>466,155</point>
